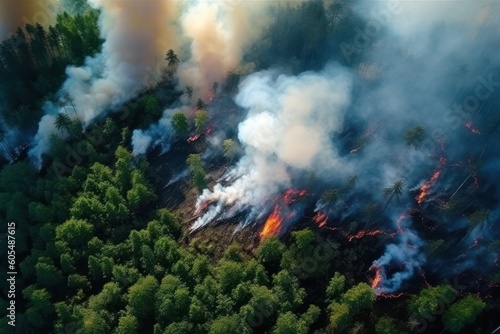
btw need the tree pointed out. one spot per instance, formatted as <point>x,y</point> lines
<point>229,147</point>
<point>180,123</point>
<point>336,287</point>
<point>303,238</point>
<point>225,325</point>
<point>340,316</point>
<point>189,92</point>
<point>127,324</point>
<point>386,325</point>
<point>270,250</point>
<point>75,232</point>
<point>200,119</point>
<point>63,121</point>
<point>194,161</point>
<point>200,105</point>
<point>462,313</point>
<point>141,295</point>
<point>414,137</point>
<point>359,297</point>
<point>172,59</point>
<point>396,189</point>
<point>229,274</point>
<point>428,301</point>
<point>141,192</point>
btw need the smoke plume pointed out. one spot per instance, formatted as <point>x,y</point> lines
<point>289,127</point>
<point>16,14</point>
<point>137,35</point>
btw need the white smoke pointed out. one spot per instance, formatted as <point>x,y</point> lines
<point>219,32</point>
<point>406,255</point>
<point>160,133</point>
<point>137,34</point>
<point>290,126</point>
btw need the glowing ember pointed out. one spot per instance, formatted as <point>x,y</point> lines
<point>364,233</point>
<point>469,126</point>
<point>272,225</point>
<point>424,190</point>
<point>194,138</point>
<point>320,218</point>
<point>292,195</point>
<point>377,279</point>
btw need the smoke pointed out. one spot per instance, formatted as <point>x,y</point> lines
<point>160,133</point>
<point>289,127</point>
<point>405,255</point>
<point>423,79</point>
<point>137,34</point>
<point>410,71</point>
<point>219,33</point>
<point>16,14</point>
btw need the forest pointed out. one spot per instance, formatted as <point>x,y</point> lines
<point>321,166</point>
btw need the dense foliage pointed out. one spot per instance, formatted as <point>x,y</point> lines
<point>98,253</point>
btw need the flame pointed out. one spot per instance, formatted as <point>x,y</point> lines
<point>272,225</point>
<point>320,218</point>
<point>364,233</point>
<point>194,138</point>
<point>292,195</point>
<point>469,126</point>
<point>424,190</point>
<point>203,206</point>
<point>377,279</point>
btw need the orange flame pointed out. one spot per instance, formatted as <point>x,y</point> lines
<point>320,218</point>
<point>272,225</point>
<point>424,190</point>
<point>364,233</point>
<point>377,279</point>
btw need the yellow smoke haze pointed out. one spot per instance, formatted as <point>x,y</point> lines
<point>17,13</point>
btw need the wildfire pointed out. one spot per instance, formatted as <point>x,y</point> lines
<point>364,233</point>
<point>292,195</point>
<point>194,138</point>
<point>320,218</point>
<point>377,279</point>
<point>272,225</point>
<point>203,206</point>
<point>469,126</point>
<point>197,136</point>
<point>424,190</point>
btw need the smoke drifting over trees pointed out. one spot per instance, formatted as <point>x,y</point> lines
<point>359,119</point>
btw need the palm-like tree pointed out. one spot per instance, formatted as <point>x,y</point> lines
<point>189,92</point>
<point>414,137</point>
<point>200,105</point>
<point>172,59</point>
<point>63,122</point>
<point>396,189</point>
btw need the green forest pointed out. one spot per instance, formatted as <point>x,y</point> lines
<point>101,247</point>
